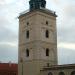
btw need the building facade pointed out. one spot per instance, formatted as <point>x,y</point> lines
<point>37,40</point>
<point>68,69</point>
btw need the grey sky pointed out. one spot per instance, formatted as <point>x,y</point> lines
<point>9,11</point>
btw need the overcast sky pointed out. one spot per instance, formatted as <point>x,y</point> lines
<point>9,11</point>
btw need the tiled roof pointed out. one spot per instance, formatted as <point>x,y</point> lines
<point>9,66</point>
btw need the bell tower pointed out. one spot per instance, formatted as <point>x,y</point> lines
<point>37,39</point>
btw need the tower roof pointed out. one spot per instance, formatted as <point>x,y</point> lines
<point>37,4</point>
<point>47,11</point>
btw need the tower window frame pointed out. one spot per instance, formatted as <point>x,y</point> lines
<point>27,52</point>
<point>27,23</point>
<point>47,23</point>
<point>47,34</point>
<point>27,34</point>
<point>47,51</point>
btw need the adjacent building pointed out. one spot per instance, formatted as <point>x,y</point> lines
<point>8,69</point>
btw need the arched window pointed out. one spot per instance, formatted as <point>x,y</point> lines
<point>46,22</point>
<point>50,73</point>
<point>27,34</point>
<point>73,73</point>
<point>61,73</point>
<point>47,52</point>
<point>47,34</point>
<point>27,23</point>
<point>27,52</point>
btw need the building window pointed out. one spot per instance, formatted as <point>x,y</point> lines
<point>27,52</point>
<point>47,34</point>
<point>47,52</point>
<point>73,73</point>
<point>27,23</point>
<point>27,34</point>
<point>61,73</point>
<point>50,73</point>
<point>46,22</point>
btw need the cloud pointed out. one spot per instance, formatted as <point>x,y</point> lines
<point>3,2</point>
<point>8,35</point>
<point>70,46</point>
<point>9,11</point>
<point>57,1</point>
<point>66,33</point>
<point>12,44</point>
<point>66,23</point>
<point>8,53</point>
<point>66,56</point>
